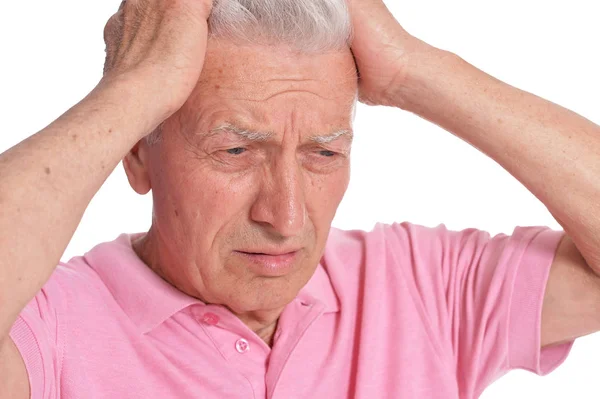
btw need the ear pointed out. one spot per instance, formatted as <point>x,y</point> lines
<point>137,167</point>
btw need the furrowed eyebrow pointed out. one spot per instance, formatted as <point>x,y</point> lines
<point>328,138</point>
<point>245,133</point>
<point>264,136</point>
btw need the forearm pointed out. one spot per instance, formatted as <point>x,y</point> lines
<point>551,150</point>
<point>47,181</point>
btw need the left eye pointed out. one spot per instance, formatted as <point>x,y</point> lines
<point>236,150</point>
<point>327,153</point>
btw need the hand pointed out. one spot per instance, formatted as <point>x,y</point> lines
<point>381,48</point>
<point>161,42</point>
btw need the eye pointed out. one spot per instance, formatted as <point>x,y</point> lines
<point>327,153</point>
<point>323,160</point>
<point>236,150</point>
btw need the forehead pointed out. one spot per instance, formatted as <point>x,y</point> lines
<point>266,86</point>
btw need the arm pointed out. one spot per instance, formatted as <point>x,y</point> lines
<point>551,150</point>
<point>47,181</point>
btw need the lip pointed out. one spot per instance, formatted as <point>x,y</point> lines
<point>271,264</point>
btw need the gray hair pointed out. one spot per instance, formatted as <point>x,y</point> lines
<point>308,26</point>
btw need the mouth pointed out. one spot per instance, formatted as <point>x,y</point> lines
<point>270,263</point>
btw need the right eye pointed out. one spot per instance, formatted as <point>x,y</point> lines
<point>236,150</point>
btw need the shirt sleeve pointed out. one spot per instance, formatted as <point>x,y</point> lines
<point>37,334</point>
<point>484,296</point>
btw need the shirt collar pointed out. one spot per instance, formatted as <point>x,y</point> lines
<point>148,300</point>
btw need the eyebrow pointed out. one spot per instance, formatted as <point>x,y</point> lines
<point>245,133</point>
<point>328,138</point>
<point>264,136</point>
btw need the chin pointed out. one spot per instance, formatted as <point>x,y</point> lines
<point>249,292</point>
<point>271,294</point>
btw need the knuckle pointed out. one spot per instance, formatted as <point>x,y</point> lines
<point>107,31</point>
<point>112,26</point>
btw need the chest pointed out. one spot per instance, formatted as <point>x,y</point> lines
<point>315,355</point>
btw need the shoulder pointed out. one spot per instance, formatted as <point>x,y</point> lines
<point>356,257</point>
<point>358,246</point>
<point>83,282</point>
<point>75,278</point>
<point>391,253</point>
<point>70,290</point>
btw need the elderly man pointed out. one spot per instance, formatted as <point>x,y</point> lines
<point>238,116</point>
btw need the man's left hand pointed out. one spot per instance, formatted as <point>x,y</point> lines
<point>382,49</point>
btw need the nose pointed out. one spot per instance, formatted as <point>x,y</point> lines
<point>280,204</point>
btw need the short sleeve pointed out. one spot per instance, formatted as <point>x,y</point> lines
<point>37,334</point>
<point>484,297</point>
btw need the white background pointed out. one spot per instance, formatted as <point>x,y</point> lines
<point>404,168</point>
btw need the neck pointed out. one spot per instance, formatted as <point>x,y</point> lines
<point>263,327</point>
<point>263,323</point>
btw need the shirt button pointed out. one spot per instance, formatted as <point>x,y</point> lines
<point>210,319</point>
<point>242,346</point>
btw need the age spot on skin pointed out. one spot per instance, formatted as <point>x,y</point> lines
<point>47,170</point>
<point>74,137</point>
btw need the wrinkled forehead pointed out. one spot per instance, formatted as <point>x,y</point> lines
<point>273,80</point>
<point>231,64</point>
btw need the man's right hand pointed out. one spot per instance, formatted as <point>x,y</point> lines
<point>162,42</point>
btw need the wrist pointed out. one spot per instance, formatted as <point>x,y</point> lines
<point>136,101</point>
<point>419,76</point>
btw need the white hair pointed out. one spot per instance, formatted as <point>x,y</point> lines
<point>308,26</point>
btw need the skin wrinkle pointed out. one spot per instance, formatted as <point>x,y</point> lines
<point>281,193</point>
<point>264,99</point>
<point>299,80</point>
<point>292,91</point>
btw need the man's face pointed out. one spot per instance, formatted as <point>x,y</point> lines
<point>249,173</point>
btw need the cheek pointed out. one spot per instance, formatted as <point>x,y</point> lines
<point>220,195</point>
<point>189,195</point>
<point>211,200</point>
<point>324,194</point>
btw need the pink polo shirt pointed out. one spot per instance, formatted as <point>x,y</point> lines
<point>402,311</point>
